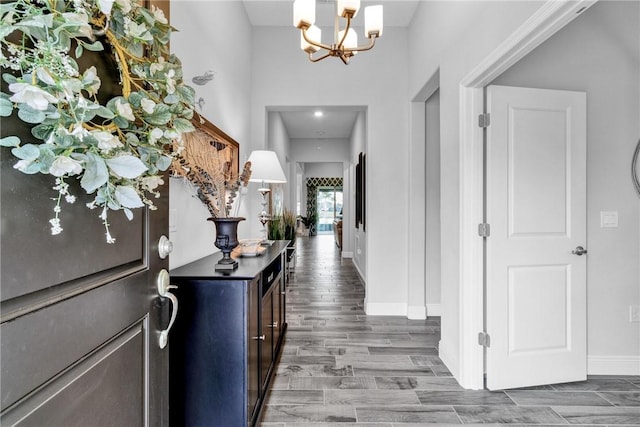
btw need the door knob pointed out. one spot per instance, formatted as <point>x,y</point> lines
<point>164,286</point>
<point>579,250</point>
<point>165,246</point>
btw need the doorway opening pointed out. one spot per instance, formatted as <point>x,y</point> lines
<point>329,208</point>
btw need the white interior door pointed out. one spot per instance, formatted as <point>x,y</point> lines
<point>536,208</point>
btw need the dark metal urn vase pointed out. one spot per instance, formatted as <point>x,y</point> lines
<point>226,240</point>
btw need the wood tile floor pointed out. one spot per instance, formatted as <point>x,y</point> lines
<point>342,368</point>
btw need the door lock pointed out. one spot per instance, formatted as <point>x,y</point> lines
<point>579,250</point>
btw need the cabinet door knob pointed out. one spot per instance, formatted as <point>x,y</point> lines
<point>260,338</point>
<point>274,325</point>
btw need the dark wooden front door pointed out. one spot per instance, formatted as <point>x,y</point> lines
<point>79,318</point>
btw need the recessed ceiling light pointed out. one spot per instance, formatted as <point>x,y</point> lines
<point>318,113</point>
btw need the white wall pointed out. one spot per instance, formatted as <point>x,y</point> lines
<point>202,44</point>
<point>282,76</point>
<point>320,150</point>
<point>278,141</point>
<point>599,53</point>
<point>452,38</point>
<point>331,170</point>
<point>357,237</point>
<point>433,281</point>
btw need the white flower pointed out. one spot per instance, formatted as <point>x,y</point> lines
<point>63,165</point>
<point>33,96</point>
<point>159,15</point>
<point>22,165</point>
<point>91,80</point>
<point>124,110</point>
<point>171,83</point>
<point>105,6</point>
<point>124,5</point>
<point>44,75</point>
<point>55,226</point>
<point>155,135</point>
<point>147,105</point>
<point>157,66</point>
<point>137,31</point>
<point>152,182</point>
<point>78,131</point>
<point>106,140</point>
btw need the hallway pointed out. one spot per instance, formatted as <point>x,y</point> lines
<point>340,367</point>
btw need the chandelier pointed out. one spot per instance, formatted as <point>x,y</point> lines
<point>345,41</point>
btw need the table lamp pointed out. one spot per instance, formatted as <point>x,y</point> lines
<point>266,169</point>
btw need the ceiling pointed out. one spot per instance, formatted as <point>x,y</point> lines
<point>337,122</point>
<point>279,13</point>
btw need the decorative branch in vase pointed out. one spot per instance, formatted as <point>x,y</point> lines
<point>207,164</point>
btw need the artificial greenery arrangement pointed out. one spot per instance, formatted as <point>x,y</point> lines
<point>289,223</point>
<point>119,149</point>
<point>206,163</point>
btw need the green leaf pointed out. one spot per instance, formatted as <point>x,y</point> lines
<point>46,158</point>
<point>42,131</point>
<point>128,197</point>
<point>79,50</point>
<point>9,78</point>
<point>163,163</point>
<point>121,122</point>
<point>171,99</point>
<point>94,47</point>
<point>183,125</point>
<point>26,152</point>
<point>161,115</point>
<point>135,98</point>
<point>126,166</point>
<point>95,173</point>
<point>128,213</point>
<point>186,93</point>
<point>10,141</point>
<point>105,113</point>
<point>30,115</point>
<point>6,107</point>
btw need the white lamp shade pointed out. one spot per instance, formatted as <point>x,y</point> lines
<point>348,6</point>
<point>351,41</point>
<point>373,20</point>
<point>304,13</point>
<point>313,33</point>
<point>265,167</point>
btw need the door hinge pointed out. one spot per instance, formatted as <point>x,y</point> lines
<point>484,339</point>
<point>484,120</point>
<point>484,230</point>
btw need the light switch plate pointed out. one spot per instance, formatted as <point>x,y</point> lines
<point>609,219</point>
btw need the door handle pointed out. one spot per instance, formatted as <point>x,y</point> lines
<point>579,250</point>
<point>163,290</point>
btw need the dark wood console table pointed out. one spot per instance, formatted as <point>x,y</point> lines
<point>226,338</point>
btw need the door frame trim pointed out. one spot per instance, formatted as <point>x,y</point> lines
<point>551,17</point>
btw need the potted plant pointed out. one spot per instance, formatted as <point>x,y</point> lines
<point>289,225</point>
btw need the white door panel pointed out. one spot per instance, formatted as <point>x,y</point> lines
<point>536,206</point>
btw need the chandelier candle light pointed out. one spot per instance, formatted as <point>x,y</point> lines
<point>345,42</point>
<point>265,168</point>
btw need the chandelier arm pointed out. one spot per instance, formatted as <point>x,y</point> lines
<point>345,59</point>
<point>311,42</point>
<point>344,35</point>
<point>312,59</point>
<point>363,48</point>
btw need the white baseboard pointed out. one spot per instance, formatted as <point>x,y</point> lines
<point>434,310</point>
<point>385,309</point>
<point>347,254</point>
<point>447,357</point>
<point>359,272</point>
<point>613,365</point>
<point>416,312</point>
